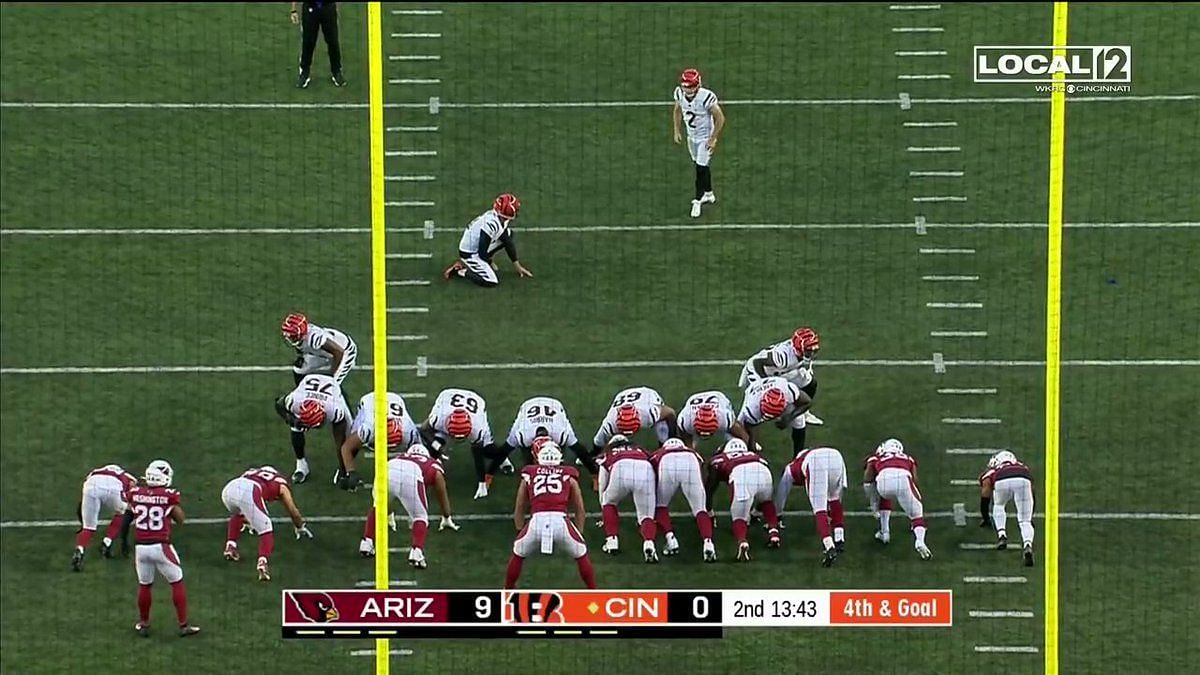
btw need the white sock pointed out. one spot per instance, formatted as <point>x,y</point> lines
<point>919,533</point>
<point>885,523</point>
<point>302,465</point>
<point>998,518</point>
<point>1027,533</point>
<point>827,542</point>
<point>107,541</point>
<point>1001,533</point>
<point>839,534</point>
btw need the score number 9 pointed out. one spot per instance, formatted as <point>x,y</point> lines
<point>483,606</point>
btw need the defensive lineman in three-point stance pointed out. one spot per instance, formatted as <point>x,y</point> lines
<point>697,108</point>
<point>1007,480</point>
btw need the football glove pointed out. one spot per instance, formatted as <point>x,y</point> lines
<point>448,522</point>
<point>303,531</point>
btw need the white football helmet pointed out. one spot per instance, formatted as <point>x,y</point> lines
<point>159,474</point>
<point>549,454</point>
<point>418,450</point>
<point>735,445</point>
<point>889,448</point>
<point>1002,457</point>
<point>619,440</point>
<point>673,444</point>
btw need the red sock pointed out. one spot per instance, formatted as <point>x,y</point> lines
<point>663,515</point>
<point>647,529</point>
<point>918,522</point>
<point>419,529</point>
<point>144,597</point>
<point>369,528</point>
<point>586,572</point>
<point>739,530</point>
<point>611,524</point>
<point>837,513</point>
<point>234,530</point>
<point>822,518</point>
<point>704,524</point>
<point>114,526</point>
<point>179,597</point>
<point>885,505</point>
<point>266,544</point>
<point>770,514</point>
<point>513,572</point>
<point>84,538</point>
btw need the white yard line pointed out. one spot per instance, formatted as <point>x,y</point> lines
<point>408,338</point>
<point>963,482</point>
<point>595,365</point>
<point>409,178</point>
<point>971,420</point>
<point>958,333</point>
<point>414,57</point>
<point>999,614</point>
<point>408,310</point>
<point>411,203</point>
<point>394,583</point>
<point>922,125</point>
<point>995,580</point>
<point>992,649</point>
<point>913,8</point>
<point>408,256</point>
<point>416,35</point>
<point>939,199</point>
<point>972,451</point>
<point>919,29</point>
<point>417,12</point>
<point>954,305</point>
<point>929,76</point>
<point>391,652</point>
<point>928,52</point>
<point>950,277</point>
<point>936,174</point>
<point>967,392</point>
<point>409,130</point>
<point>415,80</point>
<point>410,153</point>
<point>409,282</point>
<point>934,148</point>
<point>947,251</point>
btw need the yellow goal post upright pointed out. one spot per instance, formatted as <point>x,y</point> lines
<point>379,340</point>
<point>1058,103</point>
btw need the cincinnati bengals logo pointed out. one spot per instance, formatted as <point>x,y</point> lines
<point>315,607</point>
<point>534,608</point>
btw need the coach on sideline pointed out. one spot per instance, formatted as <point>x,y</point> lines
<point>318,15</point>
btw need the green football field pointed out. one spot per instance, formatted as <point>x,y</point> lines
<point>167,196</point>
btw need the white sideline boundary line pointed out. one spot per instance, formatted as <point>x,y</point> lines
<point>184,105</point>
<point>487,517</point>
<point>551,229</point>
<point>600,365</point>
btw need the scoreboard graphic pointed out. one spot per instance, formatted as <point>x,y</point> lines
<point>318,614</point>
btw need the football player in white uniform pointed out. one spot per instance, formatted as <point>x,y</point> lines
<point>545,417</point>
<point>708,413</point>
<point>486,235</point>
<point>319,351</point>
<point>401,433</point>
<point>774,398</point>
<point>791,359</point>
<point>316,401</point>
<point>461,414</point>
<point>632,410</point>
<point>1007,480</point>
<point>697,108</point>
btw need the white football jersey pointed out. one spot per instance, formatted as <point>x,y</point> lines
<point>488,222</point>
<point>473,403</point>
<point>751,412</point>
<point>644,399</point>
<point>697,112</point>
<point>323,389</point>
<point>719,401</point>
<point>315,341</point>
<point>542,411</point>
<point>782,361</point>
<point>363,425</point>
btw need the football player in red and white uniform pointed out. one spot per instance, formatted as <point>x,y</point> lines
<point>749,479</point>
<point>775,399</point>
<point>822,472</point>
<point>401,433</point>
<point>245,498</point>
<point>891,476</point>
<point>632,410</point>
<point>792,360</point>
<point>102,488</point>
<point>697,108</point>
<point>678,468</point>
<point>486,235</point>
<point>708,413</point>
<point>152,510</point>
<point>547,491</point>
<point>461,414</point>
<point>316,401</point>
<point>1007,480</point>
<point>408,475</point>
<point>625,470</point>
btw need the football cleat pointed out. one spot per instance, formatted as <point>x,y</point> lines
<point>366,548</point>
<point>302,80</point>
<point>481,491</point>
<point>773,538</point>
<point>453,269</point>
<point>142,629</point>
<point>882,538</point>
<point>648,552</point>
<point>710,551</point>
<point>339,478</point>
<point>338,79</point>
<point>810,418</point>
<point>743,553</point>
<point>106,550</point>
<point>264,573</point>
<point>1028,555</point>
<point>696,208</point>
<point>77,560</point>
<point>924,552</point>
<point>187,630</point>
<point>301,473</point>
<point>708,198</point>
<point>840,546</point>
<point>672,547</point>
<point>507,468</point>
<point>1001,542</point>
<point>351,482</point>
<point>612,546</point>
<point>231,551</point>
<point>828,557</point>
<point>416,558</point>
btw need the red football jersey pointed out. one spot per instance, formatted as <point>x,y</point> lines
<point>724,463</point>
<point>429,466</point>
<point>624,452</point>
<point>151,508</point>
<point>269,481</point>
<point>1007,470</point>
<point>547,487</point>
<point>663,452</point>
<point>902,462</point>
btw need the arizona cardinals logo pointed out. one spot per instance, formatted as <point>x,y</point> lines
<point>315,607</point>
<point>535,608</point>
